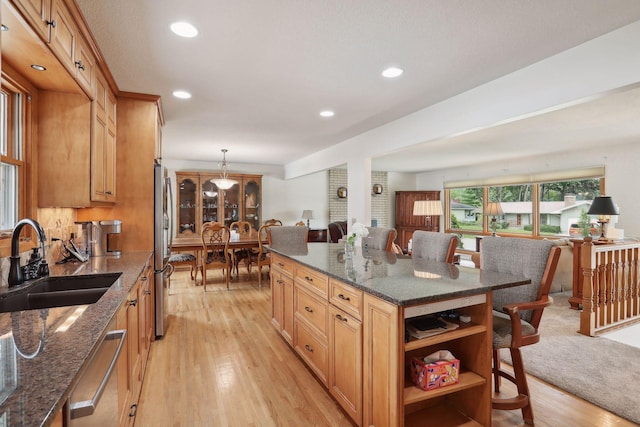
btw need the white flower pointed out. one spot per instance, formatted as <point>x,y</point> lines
<point>358,230</point>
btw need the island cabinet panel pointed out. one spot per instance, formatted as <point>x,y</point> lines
<point>313,350</point>
<point>382,370</point>
<point>311,309</point>
<point>354,342</point>
<point>312,280</point>
<point>345,362</point>
<point>282,296</point>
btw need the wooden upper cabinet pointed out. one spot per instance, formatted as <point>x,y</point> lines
<point>55,25</point>
<point>38,14</point>
<point>103,144</point>
<point>85,66</point>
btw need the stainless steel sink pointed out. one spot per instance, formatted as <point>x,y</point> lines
<point>49,292</point>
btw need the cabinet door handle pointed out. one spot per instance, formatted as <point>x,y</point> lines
<point>134,410</point>
<point>280,282</point>
<point>80,65</point>
<point>308,279</point>
<point>308,348</point>
<point>108,192</point>
<point>133,302</point>
<point>51,23</point>
<point>147,292</point>
<point>280,264</point>
<point>308,309</point>
<point>343,297</point>
<point>339,317</point>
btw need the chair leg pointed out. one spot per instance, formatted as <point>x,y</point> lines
<point>496,369</point>
<point>521,383</point>
<point>519,378</point>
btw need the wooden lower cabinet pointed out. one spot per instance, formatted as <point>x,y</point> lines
<point>354,343</point>
<point>134,316</point>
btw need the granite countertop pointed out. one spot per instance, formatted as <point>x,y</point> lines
<point>39,360</point>
<point>399,279</point>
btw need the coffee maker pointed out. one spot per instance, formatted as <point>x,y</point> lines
<point>98,237</point>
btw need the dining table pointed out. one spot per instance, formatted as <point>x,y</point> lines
<point>193,243</point>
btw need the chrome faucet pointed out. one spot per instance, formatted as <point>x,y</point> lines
<point>37,266</point>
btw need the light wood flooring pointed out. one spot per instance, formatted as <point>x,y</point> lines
<point>222,363</point>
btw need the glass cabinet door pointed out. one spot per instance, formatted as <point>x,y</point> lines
<point>252,203</point>
<point>231,209</point>
<point>210,202</point>
<point>187,204</point>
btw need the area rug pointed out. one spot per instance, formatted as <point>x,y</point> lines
<point>601,371</point>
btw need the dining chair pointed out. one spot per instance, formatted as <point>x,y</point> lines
<point>380,238</point>
<point>434,246</point>
<point>243,228</point>
<point>291,238</point>
<point>261,258</point>
<point>215,253</point>
<point>183,258</point>
<point>273,221</point>
<point>517,311</point>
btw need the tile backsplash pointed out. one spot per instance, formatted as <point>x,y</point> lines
<point>57,223</point>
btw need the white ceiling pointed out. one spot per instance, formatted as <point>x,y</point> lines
<point>261,70</point>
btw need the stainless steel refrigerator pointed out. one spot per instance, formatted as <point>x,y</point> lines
<point>163,235</point>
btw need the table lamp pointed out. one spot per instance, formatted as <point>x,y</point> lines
<point>307,214</point>
<point>427,207</point>
<point>604,207</point>
<point>494,209</point>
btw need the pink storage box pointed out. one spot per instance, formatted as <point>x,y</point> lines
<point>429,376</point>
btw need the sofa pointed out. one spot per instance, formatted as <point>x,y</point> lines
<point>563,278</point>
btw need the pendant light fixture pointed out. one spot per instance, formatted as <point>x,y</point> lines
<point>223,182</point>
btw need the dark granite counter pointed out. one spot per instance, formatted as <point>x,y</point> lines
<point>40,360</point>
<point>399,279</point>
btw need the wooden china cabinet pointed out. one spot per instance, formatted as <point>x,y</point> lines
<point>199,200</point>
<point>406,222</point>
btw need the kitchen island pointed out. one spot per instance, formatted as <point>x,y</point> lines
<point>44,352</point>
<point>345,316</point>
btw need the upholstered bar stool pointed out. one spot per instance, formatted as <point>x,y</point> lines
<point>517,311</point>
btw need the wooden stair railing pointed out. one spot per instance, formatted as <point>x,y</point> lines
<point>610,292</point>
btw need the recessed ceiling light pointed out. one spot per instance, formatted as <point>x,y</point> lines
<point>38,67</point>
<point>182,94</point>
<point>184,29</point>
<point>327,113</point>
<point>392,72</point>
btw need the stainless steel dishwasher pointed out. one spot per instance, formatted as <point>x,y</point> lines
<point>94,400</point>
